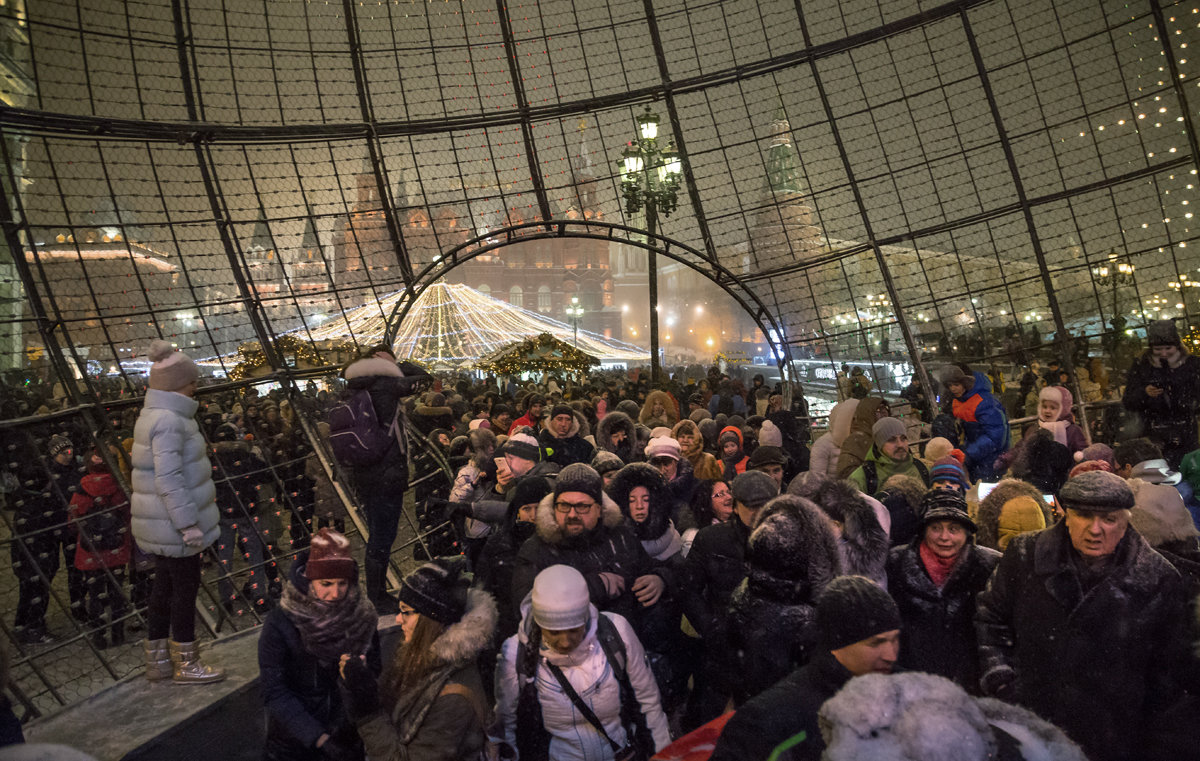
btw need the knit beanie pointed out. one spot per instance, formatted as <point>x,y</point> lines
<point>605,462</point>
<point>529,491</point>
<point>560,598</point>
<point>1088,466</point>
<point>561,409</point>
<point>853,608</point>
<point>937,448</point>
<point>728,434</point>
<point>1163,333</point>
<point>886,429</point>
<point>523,445</point>
<point>942,505</point>
<point>329,557</point>
<point>1019,515</point>
<point>630,408</point>
<point>766,455</point>
<point>770,435</point>
<point>699,415</point>
<point>58,444</point>
<point>954,374</point>
<point>753,488</point>
<point>172,369</point>
<point>581,478</point>
<point>438,590</point>
<point>1097,452</point>
<point>949,469</point>
<point>1060,395</point>
<point>662,446</point>
<point>1097,492</point>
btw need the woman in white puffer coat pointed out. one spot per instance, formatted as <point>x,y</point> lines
<point>562,631</point>
<point>175,514</point>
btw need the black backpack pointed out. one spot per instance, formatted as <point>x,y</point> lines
<point>533,741</point>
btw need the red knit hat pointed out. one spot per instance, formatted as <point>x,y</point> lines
<point>329,557</point>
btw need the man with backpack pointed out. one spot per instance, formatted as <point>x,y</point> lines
<point>368,438</point>
<point>573,683</point>
<point>888,457</point>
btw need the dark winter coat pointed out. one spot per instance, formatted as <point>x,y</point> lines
<point>1169,419</point>
<point>780,714</point>
<point>495,566</point>
<point>610,547</point>
<point>572,449</point>
<point>1098,665</point>
<point>299,692</point>
<point>618,421</point>
<point>714,568</point>
<point>938,635</point>
<point>985,428</point>
<point>771,626</point>
<point>239,474</point>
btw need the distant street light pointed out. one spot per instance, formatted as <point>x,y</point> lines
<point>650,179</point>
<point>575,311</point>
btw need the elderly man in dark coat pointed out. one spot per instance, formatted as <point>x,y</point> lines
<point>935,579</point>
<point>1085,624</point>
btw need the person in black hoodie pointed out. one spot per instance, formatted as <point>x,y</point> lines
<point>381,486</point>
<point>323,614</point>
<point>616,433</point>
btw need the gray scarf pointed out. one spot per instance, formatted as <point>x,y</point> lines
<point>328,629</point>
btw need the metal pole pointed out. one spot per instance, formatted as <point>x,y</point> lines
<point>652,264</point>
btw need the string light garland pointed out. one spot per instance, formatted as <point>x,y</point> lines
<point>542,353</point>
<point>295,352</point>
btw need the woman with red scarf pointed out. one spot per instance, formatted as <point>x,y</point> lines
<point>934,580</point>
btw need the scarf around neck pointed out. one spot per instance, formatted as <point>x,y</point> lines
<point>1058,428</point>
<point>328,629</point>
<point>939,568</point>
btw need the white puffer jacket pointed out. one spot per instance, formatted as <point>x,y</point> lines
<point>572,738</point>
<point>172,477</point>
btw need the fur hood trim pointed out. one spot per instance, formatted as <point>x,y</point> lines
<point>462,642</point>
<point>579,427</point>
<point>912,489</point>
<point>670,415</point>
<point>614,421</point>
<point>864,544</point>
<point>421,409</point>
<point>792,552</point>
<point>987,516</point>
<point>371,366</point>
<point>549,530</point>
<point>637,474</point>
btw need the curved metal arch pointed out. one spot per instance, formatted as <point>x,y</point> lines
<point>566,228</point>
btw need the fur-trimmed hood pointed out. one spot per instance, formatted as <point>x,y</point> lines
<point>550,533</point>
<point>579,427</point>
<point>912,489</point>
<point>987,516</point>
<point>864,541</point>
<point>462,642</point>
<point>670,414</point>
<point>792,552</point>
<point>371,366</point>
<point>615,421</point>
<point>638,474</point>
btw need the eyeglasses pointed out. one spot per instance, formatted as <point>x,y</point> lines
<point>579,507</point>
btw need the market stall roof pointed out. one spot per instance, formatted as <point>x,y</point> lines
<point>453,325</point>
<point>541,353</point>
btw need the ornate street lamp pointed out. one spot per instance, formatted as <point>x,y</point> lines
<point>650,181</point>
<point>1117,271</point>
<point>575,311</point>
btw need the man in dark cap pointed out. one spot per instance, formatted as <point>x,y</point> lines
<point>561,440</point>
<point>858,626</point>
<point>769,460</point>
<point>1163,389</point>
<point>1085,624</point>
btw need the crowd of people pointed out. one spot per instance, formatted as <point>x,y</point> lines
<point>637,564</point>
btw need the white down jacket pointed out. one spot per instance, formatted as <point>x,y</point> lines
<point>172,477</point>
<point>572,738</point>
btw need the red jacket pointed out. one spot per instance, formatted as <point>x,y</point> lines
<point>100,491</point>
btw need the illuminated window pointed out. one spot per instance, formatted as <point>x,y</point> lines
<point>545,301</point>
<point>516,296</point>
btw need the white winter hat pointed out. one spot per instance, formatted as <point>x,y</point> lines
<point>560,598</point>
<point>172,369</point>
<point>770,435</point>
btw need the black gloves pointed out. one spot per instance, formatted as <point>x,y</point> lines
<point>360,690</point>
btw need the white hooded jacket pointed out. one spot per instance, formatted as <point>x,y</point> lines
<point>172,477</point>
<point>572,737</point>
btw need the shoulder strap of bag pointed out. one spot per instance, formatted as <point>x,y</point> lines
<point>924,471</point>
<point>870,478</point>
<point>579,704</point>
<point>476,704</point>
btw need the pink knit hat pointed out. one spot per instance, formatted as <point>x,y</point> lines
<point>172,369</point>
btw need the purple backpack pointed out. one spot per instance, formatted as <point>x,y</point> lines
<point>358,439</point>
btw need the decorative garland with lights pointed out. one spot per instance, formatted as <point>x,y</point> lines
<point>543,352</point>
<point>252,357</point>
<point>723,357</point>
